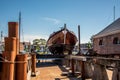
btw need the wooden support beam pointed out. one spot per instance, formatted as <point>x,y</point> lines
<point>72,66</point>
<point>88,70</point>
<point>13,29</point>
<point>82,70</point>
<point>100,64</point>
<point>68,63</point>
<point>116,74</point>
<point>33,66</point>
<point>13,32</point>
<point>99,72</point>
<point>9,54</point>
<point>77,66</point>
<point>8,66</point>
<point>21,67</point>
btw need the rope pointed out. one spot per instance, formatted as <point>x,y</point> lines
<point>7,61</point>
<point>14,62</point>
<point>3,58</point>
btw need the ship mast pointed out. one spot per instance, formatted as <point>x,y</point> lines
<point>65,33</point>
<point>114,13</point>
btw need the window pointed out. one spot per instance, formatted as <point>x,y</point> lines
<point>116,40</point>
<point>101,42</point>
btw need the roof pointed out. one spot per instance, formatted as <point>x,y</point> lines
<point>113,28</point>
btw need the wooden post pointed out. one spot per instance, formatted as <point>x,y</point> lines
<point>67,63</point>
<point>88,70</point>
<point>72,67</point>
<point>8,66</point>
<point>118,64</point>
<point>10,51</point>
<point>13,32</point>
<point>99,72</point>
<point>77,66</point>
<point>9,55</point>
<point>21,67</point>
<point>82,70</point>
<point>115,75</point>
<point>116,72</point>
<point>33,66</point>
<point>13,29</point>
<point>10,44</point>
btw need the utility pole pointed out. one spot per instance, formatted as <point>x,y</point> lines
<point>114,13</point>
<point>79,39</point>
<point>19,29</point>
<point>1,36</point>
<point>1,42</point>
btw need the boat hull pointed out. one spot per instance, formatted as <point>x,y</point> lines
<point>61,48</point>
<point>61,41</point>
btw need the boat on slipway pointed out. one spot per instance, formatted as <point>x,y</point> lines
<point>62,41</point>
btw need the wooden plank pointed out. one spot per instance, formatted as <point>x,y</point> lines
<point>84,58</point>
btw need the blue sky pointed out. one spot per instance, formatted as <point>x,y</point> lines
<point>42,17</point>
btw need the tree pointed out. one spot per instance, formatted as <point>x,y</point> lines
<point>36,41</point>
<point>42,41</point>
<point>39,44</point>
<point>91,39</point>
<point>89,45</point>
<point>36,44</point>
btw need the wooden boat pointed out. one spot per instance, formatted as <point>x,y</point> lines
<point>61,41</point>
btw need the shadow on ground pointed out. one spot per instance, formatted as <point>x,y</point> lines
<point>57,63</point>
<point>45,64</point>
<point>68,74</point>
